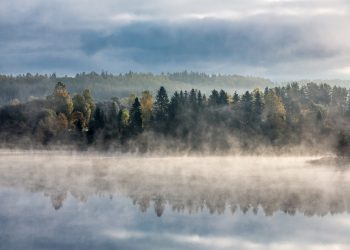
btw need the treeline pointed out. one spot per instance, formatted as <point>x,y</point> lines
<point>315,116</point>
<point>105,85</point>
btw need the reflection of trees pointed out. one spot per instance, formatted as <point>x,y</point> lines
<point>170,188</point>
<point>143,203</point>
<point>159,205</point>
<point>57,200</point>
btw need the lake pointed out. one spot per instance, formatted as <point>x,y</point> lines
<point>60,200</point>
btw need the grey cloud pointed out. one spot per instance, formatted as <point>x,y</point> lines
<point>213,40</point>
<point>276,39</point>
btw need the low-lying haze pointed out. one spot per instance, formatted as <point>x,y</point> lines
<point>83,200</point>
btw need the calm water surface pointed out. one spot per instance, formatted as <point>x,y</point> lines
<point>55,200</point>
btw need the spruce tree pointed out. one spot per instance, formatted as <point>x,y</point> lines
<point>246,107</point>
<point>214,98</point>
<point>161,109</point>
<point>235,98</point>
<point>136,117</point>
<point>199,99</point>
<point>258,106</point>
<point>223,98</point>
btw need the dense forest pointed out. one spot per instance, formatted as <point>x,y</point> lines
<point>311,116</point>
<point>106,85</point>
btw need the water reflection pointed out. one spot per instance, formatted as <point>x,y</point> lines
<point>184,185</point>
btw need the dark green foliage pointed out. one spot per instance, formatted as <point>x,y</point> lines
<point>343,144</point>
<point>290,115</point>
<point>235,99</point>
<point>223,98</point>
<point>106,85</point>
<point>319,93</point>
<point>193,97</point>
<point>258,108</point>
<point>136,117</point>
<point>99,118</point>
<point>161,110</point>
<point>200,99</point>
<point>246,108</point>
<point>214,98</point>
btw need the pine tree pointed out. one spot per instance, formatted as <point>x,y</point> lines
<point>235,99</point>
<point>174,109</point>
<point>161,109</point>
<point>223,98</point>
<point>199,99</point>
<point>99,118</point>
<point>136,117</point>
<point>193,97</point>
<point>214,98</point>
<point>246,108</point>
<point>258,106</point>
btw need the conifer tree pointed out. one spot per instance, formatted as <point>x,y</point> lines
<point>136,117</point>
<point>161,109</point>
<point>214,98</point>
<point>223,98</point>
<point>258,106</point>
<point>235,98</point>
<point>246,108</point>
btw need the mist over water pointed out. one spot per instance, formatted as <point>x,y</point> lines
<point>102,201</point>
<point>174,125</point>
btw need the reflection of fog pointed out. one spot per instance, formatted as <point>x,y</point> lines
<point>184,184</point>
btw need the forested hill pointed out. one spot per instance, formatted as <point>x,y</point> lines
<point>332,82</point>
<point>105,85</point>
<point>313,118</point>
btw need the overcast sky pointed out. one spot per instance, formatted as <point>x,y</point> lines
<point>278,39</point>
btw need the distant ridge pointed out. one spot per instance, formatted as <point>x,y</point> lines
<point>337,82</point>
<point>105,85</point>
